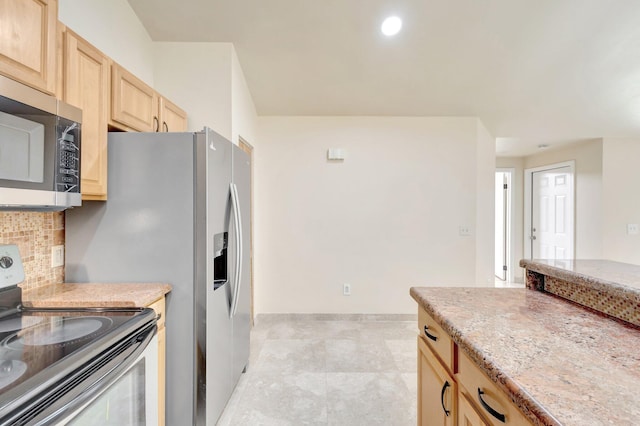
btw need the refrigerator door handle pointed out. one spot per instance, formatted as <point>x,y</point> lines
<point>238,234</point>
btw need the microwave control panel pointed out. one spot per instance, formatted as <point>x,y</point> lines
<point>68,157</point>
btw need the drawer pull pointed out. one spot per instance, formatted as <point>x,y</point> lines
<point>444,389</point>
<point>487,407</point>
<point>430,336</point>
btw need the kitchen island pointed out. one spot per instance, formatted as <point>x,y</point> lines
<point>556,362</point>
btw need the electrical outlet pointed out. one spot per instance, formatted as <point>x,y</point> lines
<point>632,229</point>
<point>346,289</point>
<point>464,230</point>
<point>57,256</point>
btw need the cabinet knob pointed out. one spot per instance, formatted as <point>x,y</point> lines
<point>156,123</point>
<point>165,127</point>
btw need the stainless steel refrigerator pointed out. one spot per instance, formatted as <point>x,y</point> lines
<point>178,211</point>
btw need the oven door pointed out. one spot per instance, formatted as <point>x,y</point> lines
<point>120,387</point>
<point>130,398</point>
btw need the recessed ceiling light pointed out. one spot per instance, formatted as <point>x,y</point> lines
<point>391,26</point>
<point>543,146</point>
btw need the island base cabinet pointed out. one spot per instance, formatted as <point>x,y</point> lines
<point>467,415</point>
<point>436,390</point>
<point>482,394</point>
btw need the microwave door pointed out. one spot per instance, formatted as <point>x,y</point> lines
<point>21,149</point>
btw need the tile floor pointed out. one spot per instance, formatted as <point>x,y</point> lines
<point>328,370</point>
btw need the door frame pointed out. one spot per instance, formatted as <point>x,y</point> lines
<point>248,148</point>
<point>511,241</point>
<point>528,202</point>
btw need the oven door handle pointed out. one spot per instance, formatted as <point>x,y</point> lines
<point>90,388</point>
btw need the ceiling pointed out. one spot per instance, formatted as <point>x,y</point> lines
<point>535,72</point>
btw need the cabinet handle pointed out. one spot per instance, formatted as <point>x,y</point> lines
<point>430,336</point>
<point>165,127</point>
<point>487,407</point>
<point>444,388</point>
<point>156,122</point>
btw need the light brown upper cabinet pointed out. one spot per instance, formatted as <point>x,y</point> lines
<point>28,42</point>
<point>136,106</point>
<point>172,118</point>
<point>86,86</point>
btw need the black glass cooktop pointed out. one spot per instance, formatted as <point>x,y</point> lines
<point>38,344</point>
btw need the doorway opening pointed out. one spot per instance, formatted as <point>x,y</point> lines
<point>549,211</point>
<point>503,263</point>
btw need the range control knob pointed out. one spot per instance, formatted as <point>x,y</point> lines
<point>6,262</point>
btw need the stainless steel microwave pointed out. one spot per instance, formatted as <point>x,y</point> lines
<point>39,150</point>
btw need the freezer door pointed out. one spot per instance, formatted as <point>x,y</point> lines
<point>213,293</point>
<point>242,315</point>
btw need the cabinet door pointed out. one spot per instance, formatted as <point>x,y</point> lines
<point>467,415</point>
<point>172,117</point>
<point>162,339</point>
<point>134,104</point>
<point>437,391</point>
<point>86,85</point>
<point>160,307</point>
<point>28,42</point>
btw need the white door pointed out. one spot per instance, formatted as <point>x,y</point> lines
<point>551,233</point>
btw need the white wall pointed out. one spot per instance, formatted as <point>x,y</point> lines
<point>383,220</point>
<point>588,190</point>
<point>621,176</point>
<point>243,111</point>
<point>485,208</point>
<point>206,80</point>
<point>198,78</point>
<point>114,28</point>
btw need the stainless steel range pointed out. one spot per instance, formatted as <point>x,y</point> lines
<point>73,366</point>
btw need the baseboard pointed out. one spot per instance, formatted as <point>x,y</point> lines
<point>334,317</point>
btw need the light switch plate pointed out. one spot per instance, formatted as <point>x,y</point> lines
<point>346,289</point>
<point>633,229</point>
<point>57,256</point>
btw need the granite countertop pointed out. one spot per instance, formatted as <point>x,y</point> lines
<point>602,274</point>
<point>562,364</point>
<point>95,295</point>
<point>603,285</point>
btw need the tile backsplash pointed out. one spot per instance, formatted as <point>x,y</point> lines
<point>35,233</point>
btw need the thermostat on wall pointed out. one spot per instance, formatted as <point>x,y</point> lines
<point>336,154</point>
